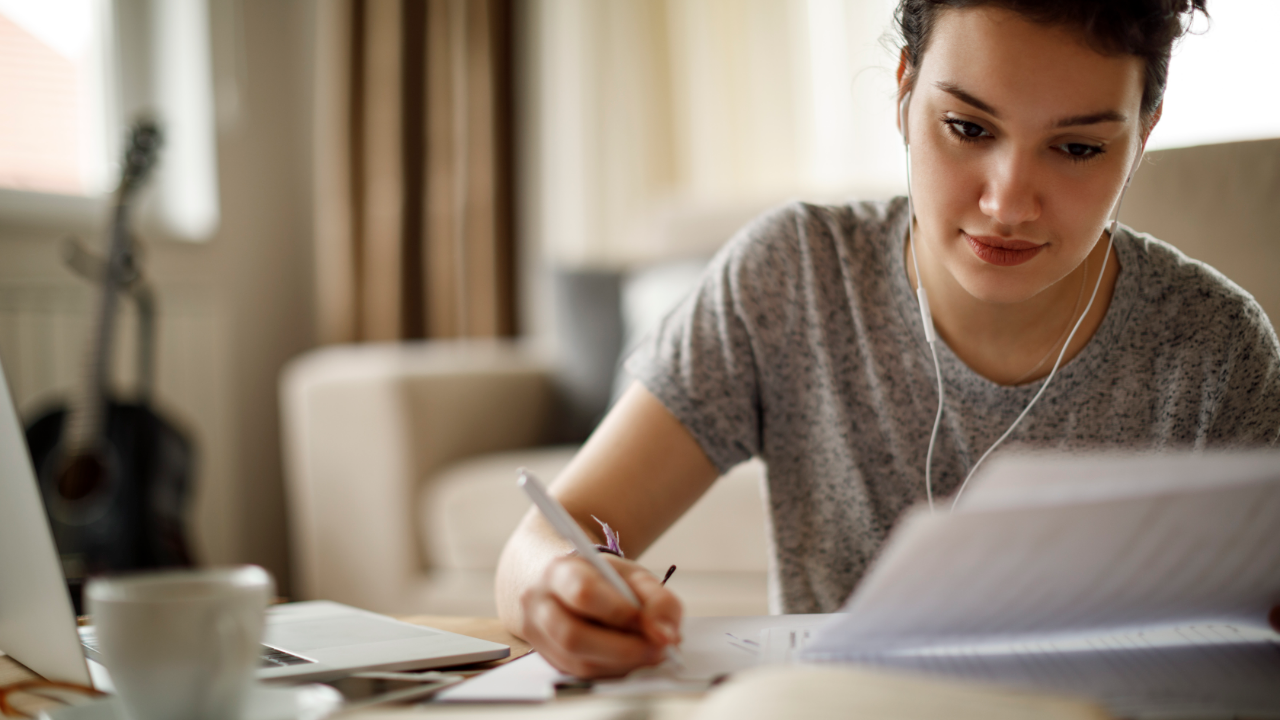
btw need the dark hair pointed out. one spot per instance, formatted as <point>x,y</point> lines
<point>1145,28</point>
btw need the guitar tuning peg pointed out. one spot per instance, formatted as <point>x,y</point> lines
<point>81,261</point>
<point>92,267</point>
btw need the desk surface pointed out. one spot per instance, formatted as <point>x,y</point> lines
<point>868,695</point>
<point>477,627</point>
<point>11,671</point>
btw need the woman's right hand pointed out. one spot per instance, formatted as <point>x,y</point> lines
<point>584,627</point>
<point>640,470</point>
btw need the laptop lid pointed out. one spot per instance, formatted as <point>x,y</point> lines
<point>304,641</point>
<point>37,622</point>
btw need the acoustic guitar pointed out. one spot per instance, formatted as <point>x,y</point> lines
<point>114,474</point>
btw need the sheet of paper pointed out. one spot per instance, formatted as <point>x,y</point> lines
<point>713,647</point>
<point>1048,478</point>
<point>1189,671</point>
<point>526,679</point>
<point>1201,671</point>
<point>1141,582</point>
<point>1211,554</point>
<point>782,645</point>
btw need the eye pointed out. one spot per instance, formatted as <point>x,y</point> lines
<point>966,131</point>
<point>1081,151</point>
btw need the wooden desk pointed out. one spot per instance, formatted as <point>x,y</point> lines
<point>11,671</point>
<point>803,693</point>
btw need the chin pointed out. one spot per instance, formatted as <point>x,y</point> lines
<point>1002,287</point>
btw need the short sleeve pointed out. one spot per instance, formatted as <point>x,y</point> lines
<point>1247,413</point>
<point>704,360</point>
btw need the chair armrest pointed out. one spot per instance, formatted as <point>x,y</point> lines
<point>365,425</point>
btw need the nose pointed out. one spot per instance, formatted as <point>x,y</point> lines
<point>1009,195</point>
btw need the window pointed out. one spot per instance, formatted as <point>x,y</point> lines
<point>52,77</point>
<point>1219,81</point>
<point>74,74</point>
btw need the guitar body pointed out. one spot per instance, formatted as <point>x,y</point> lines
<point>121,506</point>
<point>115,476</point>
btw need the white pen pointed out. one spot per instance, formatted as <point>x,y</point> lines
<point>569,529</point>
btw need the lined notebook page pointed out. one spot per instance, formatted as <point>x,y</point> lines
<point>1204,671</point>
<point>1216,671</point>
<point>1101,552</point>
<point>1183,556</point>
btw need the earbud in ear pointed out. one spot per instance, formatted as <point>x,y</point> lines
<point>902,116</point>
<point>1134,170</point>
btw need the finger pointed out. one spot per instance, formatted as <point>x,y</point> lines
<point>584,591</point>
<point>1274,617</point>
<point>582,648</point>
<point>661,609</point>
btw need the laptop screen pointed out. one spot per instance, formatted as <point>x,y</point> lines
<point>37,623</point>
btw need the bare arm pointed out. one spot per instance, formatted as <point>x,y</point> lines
<point>639,472</point>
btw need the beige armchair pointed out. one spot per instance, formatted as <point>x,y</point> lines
<point>401,459</point>
<point>402,464</point>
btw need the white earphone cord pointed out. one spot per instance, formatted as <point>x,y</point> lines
<point>1110,240</point>
<point>930,333</point>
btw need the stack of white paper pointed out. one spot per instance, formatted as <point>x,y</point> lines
<point>1142,581</point>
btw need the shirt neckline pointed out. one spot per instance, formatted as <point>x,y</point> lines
<point>957,376</point>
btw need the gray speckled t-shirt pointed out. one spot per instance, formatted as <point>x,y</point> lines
<point>803,345</point>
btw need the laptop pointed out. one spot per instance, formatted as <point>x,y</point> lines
<point>312,641</point>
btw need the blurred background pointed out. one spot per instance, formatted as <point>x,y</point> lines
<point>340,172</point>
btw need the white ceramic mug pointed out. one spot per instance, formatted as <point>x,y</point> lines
<point>181,643</point>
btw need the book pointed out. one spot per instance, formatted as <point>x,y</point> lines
<point>1143,581</point>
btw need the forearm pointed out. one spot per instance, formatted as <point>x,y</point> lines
<point>639,471</point>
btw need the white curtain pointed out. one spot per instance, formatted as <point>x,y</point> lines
<point>636,106</point>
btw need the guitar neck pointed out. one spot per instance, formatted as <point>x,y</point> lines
<point>87,418</point>
<point>87,415</point>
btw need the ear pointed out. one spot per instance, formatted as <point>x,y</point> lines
<point>1155,118</point>
<point>901,75</point>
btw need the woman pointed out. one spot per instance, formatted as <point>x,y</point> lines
<point>804,344</point>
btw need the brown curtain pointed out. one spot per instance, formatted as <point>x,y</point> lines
<point>414,169</point>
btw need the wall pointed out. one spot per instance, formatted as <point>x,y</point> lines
<point>233,309</point>
<point>636,109</point>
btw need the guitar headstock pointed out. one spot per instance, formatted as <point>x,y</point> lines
<point>140,155</point>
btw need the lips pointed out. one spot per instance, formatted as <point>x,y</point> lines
<point>1005,252</point>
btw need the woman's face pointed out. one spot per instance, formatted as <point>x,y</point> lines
<point>1021,140</point>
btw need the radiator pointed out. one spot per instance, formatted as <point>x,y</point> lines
<point>44,333</point>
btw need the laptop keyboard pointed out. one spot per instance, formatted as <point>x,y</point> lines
<point>268,656</point>
<point>275,657</point>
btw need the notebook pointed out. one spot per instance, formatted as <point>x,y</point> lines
<point>315,640</point>
<point>1142,581</point>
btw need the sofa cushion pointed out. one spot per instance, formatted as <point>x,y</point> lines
<point>471,593</point>
<point>469,509</point>
<point>723,532</point>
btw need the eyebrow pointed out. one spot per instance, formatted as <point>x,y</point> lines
<point>1087,119</point>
